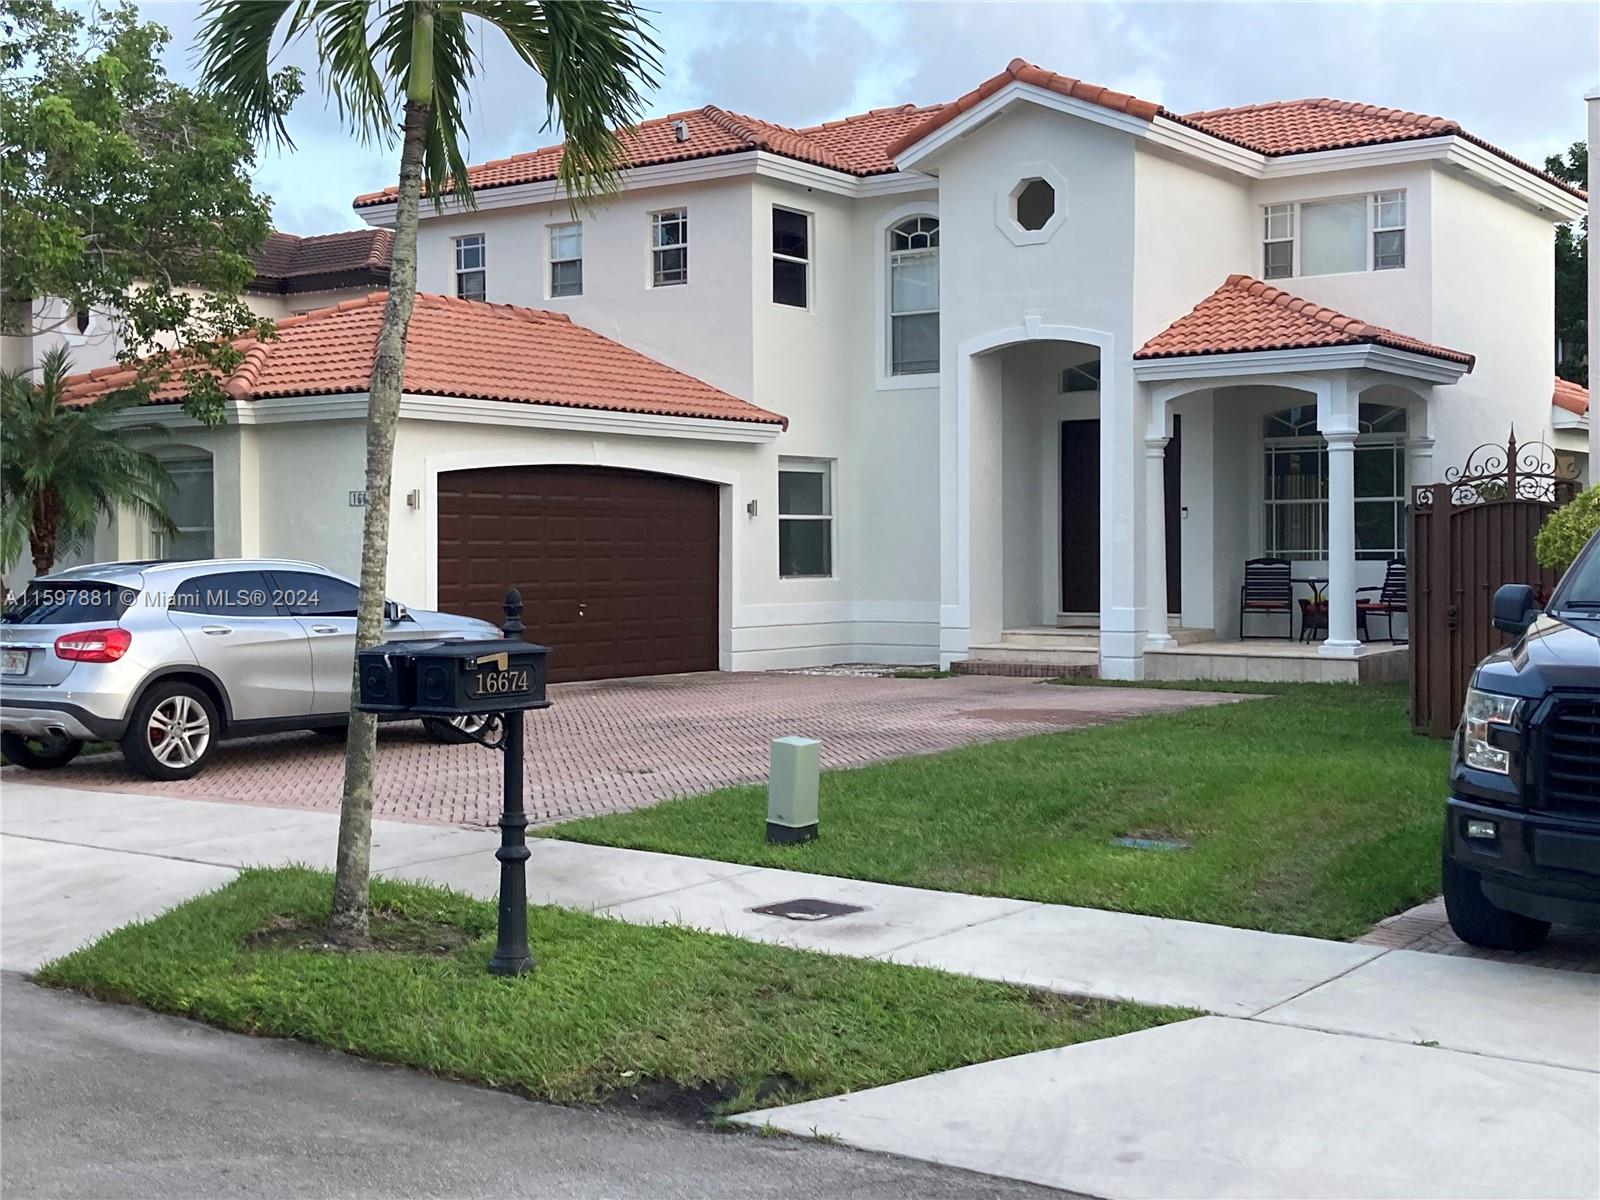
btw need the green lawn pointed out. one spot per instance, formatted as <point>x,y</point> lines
<point>1312,811</point>
<point>663,1018</point>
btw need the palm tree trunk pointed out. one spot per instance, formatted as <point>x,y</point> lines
<point>42,530</point>
<point>348,920</point>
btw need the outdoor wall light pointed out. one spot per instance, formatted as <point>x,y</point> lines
<point>751,508</point>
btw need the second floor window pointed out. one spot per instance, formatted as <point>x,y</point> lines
<point>566,259</point>
<point>791,258</point>
<point>471,259</point>
<point>1339,236</point>
<point>669,247</point>
<point>914,297</point>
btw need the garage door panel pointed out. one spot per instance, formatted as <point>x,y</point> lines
<point>618,569</point>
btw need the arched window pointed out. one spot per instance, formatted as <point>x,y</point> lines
<point>914,297</point>
<point>191,504</point>
<point>1297,483</point>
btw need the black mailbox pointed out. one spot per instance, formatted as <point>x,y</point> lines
<point>453,678</point>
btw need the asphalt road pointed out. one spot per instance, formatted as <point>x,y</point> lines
<point>107,1101</point>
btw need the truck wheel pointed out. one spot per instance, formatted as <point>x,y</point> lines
<point>39,753</point>
<point>172,732</point>
<point>1478,922</point>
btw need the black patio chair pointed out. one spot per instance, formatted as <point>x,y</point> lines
<point>1268,591</point>
<point>1393,600</point>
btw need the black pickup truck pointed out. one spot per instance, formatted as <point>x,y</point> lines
<point>1522,828</point>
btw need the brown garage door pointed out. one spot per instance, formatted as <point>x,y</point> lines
<point>618,569</point>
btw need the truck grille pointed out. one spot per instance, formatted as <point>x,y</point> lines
<point>1571,768</point>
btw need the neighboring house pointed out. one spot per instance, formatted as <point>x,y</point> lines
<point>1048,354</point>
<point>293,275</point>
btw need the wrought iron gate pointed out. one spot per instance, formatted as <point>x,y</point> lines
<point>1469,535</point>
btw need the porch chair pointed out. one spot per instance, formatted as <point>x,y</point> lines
<point>1267,591</point>
<point>1392,599</point>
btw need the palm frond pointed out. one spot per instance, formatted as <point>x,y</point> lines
<point>598,60</point>
<point>236,50</point>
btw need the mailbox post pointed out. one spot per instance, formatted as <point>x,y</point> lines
<point>511,955</point>
<point>499,678</point>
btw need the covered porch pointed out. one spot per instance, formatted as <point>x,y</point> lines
<point>1302,431</point>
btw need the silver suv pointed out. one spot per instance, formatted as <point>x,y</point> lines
<point>165,658</point>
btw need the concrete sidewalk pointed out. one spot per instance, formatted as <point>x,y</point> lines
<point>1329,1068</point>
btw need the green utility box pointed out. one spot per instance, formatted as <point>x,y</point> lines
<point>792,790</point>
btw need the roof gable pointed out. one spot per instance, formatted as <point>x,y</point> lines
<point>463,348</point>
<point>1245,316</point>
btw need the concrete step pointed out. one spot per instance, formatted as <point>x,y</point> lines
<point>1187,637</point>
<point>1001,652</point>
<point>1052,639</point>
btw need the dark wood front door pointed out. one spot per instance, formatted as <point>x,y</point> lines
<point>1080,516</point>
<point>618,569</point>
<point>1172,466</point>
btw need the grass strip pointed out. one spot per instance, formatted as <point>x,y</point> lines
<point>655,1018</point>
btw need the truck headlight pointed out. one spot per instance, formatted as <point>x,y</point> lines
<point>1484,711</point>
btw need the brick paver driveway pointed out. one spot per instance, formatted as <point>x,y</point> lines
<point>620,744</point>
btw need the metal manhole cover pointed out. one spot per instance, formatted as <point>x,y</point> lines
<point>1149,843</point>
<point>806,909</point>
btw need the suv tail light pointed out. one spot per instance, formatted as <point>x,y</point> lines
<point>94,645</point>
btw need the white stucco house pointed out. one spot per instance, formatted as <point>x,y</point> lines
<point>1021,378</point>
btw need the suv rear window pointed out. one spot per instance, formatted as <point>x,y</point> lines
<point>70,602</point>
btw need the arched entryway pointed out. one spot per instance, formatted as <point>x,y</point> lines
<point>618,568</point>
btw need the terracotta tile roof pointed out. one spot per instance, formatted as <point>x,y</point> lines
<point>1573,397</point>
<point>1021,71</point>
<point>1305,126</point>
<point>854,145</point>
<point>457,348</point>
<point>1245,315</point>
<point>287,263</point>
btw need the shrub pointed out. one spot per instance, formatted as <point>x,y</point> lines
<point>1568,530</point>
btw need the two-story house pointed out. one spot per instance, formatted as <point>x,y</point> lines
<point>1044,357</point>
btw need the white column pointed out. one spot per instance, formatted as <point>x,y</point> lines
<point>1419,463</point>
<point>1341,545</point>
<point>1155,535</point>
<point>1593,99</point>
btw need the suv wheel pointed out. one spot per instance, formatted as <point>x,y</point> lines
<point>1477,921</point>
<point>172,733</point>
<point>454,731</point>
<point>39,753</point>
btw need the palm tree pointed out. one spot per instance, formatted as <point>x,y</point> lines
<point>64,467</point>
<point>411,62</point>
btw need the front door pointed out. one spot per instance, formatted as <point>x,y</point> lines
<point>1080,516</point>
<point>1172,466</point>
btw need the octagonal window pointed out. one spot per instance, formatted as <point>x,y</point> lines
<point>1036,204</point>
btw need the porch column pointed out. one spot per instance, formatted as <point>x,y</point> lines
<point>1419,463</point>
<point>1155,542</point>
<point>1341,545</point>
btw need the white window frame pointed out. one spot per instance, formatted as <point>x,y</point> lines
<point>789,258</point>
<point>659,218</point>
<point>894,257</point>
<point>457,245</point>
<point>811,466</point>
<point>1394,442</point>
<point>1378,221</point>
<point>552,232</point>
<point>191,465</point>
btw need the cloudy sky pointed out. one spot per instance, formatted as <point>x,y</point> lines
<point>1513,73</point>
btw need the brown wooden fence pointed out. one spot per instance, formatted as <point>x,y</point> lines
<point>1469,535</point>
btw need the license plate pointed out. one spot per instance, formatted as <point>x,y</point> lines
<point>13,662</point>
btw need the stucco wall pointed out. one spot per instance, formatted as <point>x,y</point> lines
<point>702,327</point>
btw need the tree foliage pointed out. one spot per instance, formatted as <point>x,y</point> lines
<point>1568,530</point>
<point>63,467</point>
<point>1572,271</point>
<point>125,193</point>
